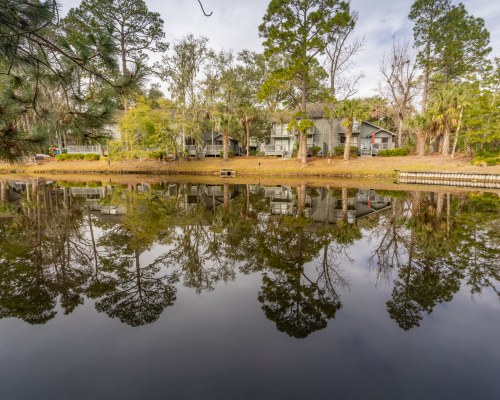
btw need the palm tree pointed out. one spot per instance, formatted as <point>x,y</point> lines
<point>420,123</point>
<point>226,122</point>
<point>351,111</point>
<point>444,110</point>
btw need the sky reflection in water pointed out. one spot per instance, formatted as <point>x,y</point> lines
<point>219,291</point>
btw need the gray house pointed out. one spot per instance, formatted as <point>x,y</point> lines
<point>323,206</point>
<point>210,145</point>
<point>369,138</point>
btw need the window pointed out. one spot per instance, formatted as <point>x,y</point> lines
<point>354,140</point>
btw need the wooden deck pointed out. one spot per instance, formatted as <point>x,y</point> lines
<point>375,148</point>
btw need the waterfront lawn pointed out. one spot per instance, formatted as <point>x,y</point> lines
<point>374,167</point>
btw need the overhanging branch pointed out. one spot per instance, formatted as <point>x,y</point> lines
<point>202,9</point>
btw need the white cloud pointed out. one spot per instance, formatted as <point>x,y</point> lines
<point>234,25</point>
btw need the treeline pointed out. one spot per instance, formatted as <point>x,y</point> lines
<point>79,78</point>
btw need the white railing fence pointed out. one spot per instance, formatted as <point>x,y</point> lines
<point>84,149</point>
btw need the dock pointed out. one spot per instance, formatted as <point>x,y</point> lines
<point>461,179</point>
<point>227,173</point>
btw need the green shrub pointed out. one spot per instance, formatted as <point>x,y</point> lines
<point>391,193</point>
<point>230,154</point>
<point>92,157</point>
<point>79,184</point>
<point>339,151</point>
<point>403,151</point>
<point>69,157</point>
<point>490,161</point>
<point>315,150</point>
<point>157,155</point>
<point>486,157</point>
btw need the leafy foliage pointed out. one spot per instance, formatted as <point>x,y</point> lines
<point>339,151</point>
<point>402,151</point>
<point>53,80</point>
<point>148,125</point>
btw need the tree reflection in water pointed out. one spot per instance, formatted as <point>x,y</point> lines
<point>60,248</point>
<point>434,242</point>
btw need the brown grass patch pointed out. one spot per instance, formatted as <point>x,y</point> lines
<point>362,167</point>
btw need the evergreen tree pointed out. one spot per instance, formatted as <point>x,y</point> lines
<point>40,66</point>
<point>134,29</point>
<point>297,31</point>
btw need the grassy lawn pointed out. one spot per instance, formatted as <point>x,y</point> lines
<point>362,167</point>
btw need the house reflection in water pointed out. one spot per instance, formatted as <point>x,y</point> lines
<point>320,205</point>
<point>325,205</point>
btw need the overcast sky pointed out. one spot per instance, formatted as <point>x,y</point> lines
<point>234,23</point>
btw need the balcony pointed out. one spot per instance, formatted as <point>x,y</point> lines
<point>274,150</point>
<point>213,150</point>
<point>277,133</point>
<point>375,148</point>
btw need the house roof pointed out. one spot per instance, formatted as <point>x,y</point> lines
<point>379,129</point>
<point>314,111</point>
<point>358,130</point>
<point>207,136</point>
<point>317,111</point>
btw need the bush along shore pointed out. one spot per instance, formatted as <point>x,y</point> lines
<point>368,167</point>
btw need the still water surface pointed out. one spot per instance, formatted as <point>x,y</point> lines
<point>182,291</point>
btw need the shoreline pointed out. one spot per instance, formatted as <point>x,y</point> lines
<point>354,173</point>
<point>361,167</point>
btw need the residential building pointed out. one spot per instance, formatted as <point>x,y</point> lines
<point>368,137</point>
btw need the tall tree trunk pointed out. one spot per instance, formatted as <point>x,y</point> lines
<point>416,202</point>
<point>347,144</point>
<point>303,135</point>
<point>226,196</point>
<point>345,200</point>
<point>301,199</point>
<point>426,84</point>
<point>468,149</point>
<point>247,130</point>
<point>457,133</point>
<point>247,202</point>
<point>225,145</point>
<point>138,272</point>
<point>440,202</point>
<point>446,140</point>
<point>420,142</point>
<point>330,136</point>
<point>183,131</point>
<point>400,130</point>
<point>3,191</point>
<point>124,66</point>
<point>303,147</point>
<point>94,247</point>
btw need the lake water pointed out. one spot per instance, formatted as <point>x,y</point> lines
<point>191,291</point>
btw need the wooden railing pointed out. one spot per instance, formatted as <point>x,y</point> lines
<point>375,148</point>
<point>84,149</point>
<point>382,146</point>
<point>213,150</point>
<point>274,150</point>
